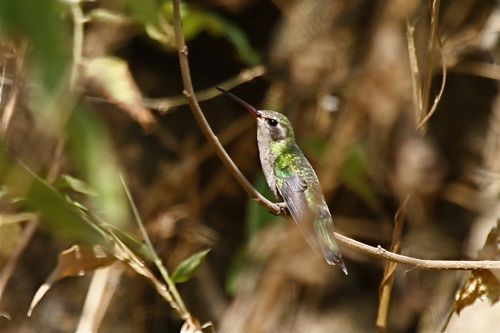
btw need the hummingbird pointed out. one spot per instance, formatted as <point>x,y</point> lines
<point>292,179</point>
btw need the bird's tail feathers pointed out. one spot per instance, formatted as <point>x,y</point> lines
<point>335,258</point>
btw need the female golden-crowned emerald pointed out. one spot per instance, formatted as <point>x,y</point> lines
<point>292,179</point>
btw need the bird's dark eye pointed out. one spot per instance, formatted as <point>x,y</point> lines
<point>272,122</point>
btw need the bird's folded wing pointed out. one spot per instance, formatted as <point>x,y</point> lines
<point>293,191</point>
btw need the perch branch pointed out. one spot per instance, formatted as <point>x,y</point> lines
<point>377,252</point>
<point>202,121</point>
<point>381,253</point>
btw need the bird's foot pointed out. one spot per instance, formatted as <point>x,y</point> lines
<point>283,208</point>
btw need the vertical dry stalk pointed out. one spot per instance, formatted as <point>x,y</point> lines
<point>425,113</point>
<point>431,46</point>
<point>415,72</point>
<point>12,101</point>
<point>386,284</point>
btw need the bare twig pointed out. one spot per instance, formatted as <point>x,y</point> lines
<point>9,267</point>
<point>202,122</point>
<point>163,105</point>
<point>2,82</point>
<point>381,253</point>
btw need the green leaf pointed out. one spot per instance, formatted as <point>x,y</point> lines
<point>196,21</point>
<point>187,267</point>
<point>92,153</point>
<point>75,184</point>
<point>145,11</point>
<point>41,23</point>
<point>42,32</point>
<point>55,211</point>
<point>134,244</point>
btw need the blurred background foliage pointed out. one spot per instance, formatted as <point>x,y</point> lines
<point>91,90</point>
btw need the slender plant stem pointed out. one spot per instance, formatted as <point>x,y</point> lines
<point>157,260</point>
<point>11,263</point>
<point>202,121</point>
<point>78,21</point>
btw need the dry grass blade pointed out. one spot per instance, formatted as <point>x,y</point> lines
<point>12,101</point>
<point>431,46</point>
<point>415,72</point>
<point>489,71</point>
<point>386,284</point>
<point>104,283</point>
<point>444,73</point>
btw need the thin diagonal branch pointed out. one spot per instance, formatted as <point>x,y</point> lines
<point>377,252</point>
<point>202,121</point>
<point>164,105</point>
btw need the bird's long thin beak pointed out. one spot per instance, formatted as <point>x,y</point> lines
<point>256,113</point>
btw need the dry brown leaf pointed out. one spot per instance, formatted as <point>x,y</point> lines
<point>75,261</point>
<point>112,77</point>
<point>482,283</point>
